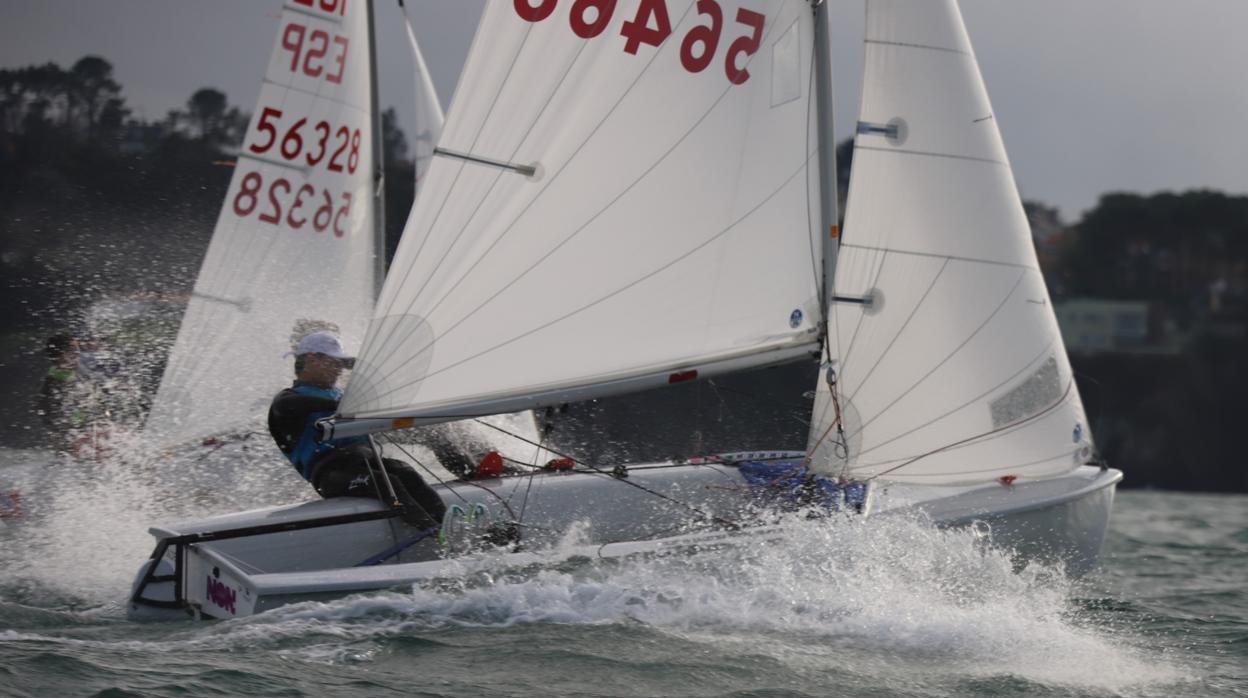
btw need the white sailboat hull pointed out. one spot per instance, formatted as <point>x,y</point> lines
<point>1061,519</point>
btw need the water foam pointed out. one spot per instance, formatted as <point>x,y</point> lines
<point>830,594</point>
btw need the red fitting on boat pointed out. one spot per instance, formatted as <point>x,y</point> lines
<point>682,376</point>
<point>559,464</point>
<point>1008,480</point>
<point>490,466</point>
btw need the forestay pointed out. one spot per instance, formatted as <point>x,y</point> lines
<point>623,189</point>
<point>953,370</point>
<point>295,237</point>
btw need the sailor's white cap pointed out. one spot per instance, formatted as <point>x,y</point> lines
<point>326,343</point>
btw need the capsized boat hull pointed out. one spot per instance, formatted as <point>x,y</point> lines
<point>1058,519</point>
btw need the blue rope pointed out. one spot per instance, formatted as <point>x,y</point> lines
<point>398,548</point>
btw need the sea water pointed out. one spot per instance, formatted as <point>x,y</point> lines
<point>849,607</point>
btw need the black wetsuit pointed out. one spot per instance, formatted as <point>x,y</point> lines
<point>340,467</point>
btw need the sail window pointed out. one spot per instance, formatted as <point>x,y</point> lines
<point>1040,390</point>
<point>786,68</point>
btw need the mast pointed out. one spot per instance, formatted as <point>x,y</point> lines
<point>829,223</point>
<point>379,165</point>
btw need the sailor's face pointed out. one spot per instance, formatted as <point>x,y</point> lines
<point>321,370</point>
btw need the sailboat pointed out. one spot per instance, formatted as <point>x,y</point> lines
<point>632,195</point>
<point>297,245</point>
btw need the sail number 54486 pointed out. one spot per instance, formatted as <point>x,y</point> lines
<point>697,50</point>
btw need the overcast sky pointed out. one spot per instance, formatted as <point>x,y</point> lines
<point>1091,95</point>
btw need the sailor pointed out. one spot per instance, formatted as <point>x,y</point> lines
<point>339,467</point>
<point>58,406</point>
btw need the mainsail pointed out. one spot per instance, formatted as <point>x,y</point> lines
<point>294,244</point>
<point>623,192</point>
<point>950,365</point>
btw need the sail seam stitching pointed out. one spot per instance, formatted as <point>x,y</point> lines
<point>880,359</point>
<point>948,357</point>
<point>614,293</point>
<point>480,203</point>
<point>314,95</point>
<point>925,47</point>
<point>930,154</point>
<point>993,435</point>
<point>1026,367</point>
<point>390,336</point>
<point>976,260</point>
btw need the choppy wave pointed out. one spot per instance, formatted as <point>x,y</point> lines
<point>887,607</point>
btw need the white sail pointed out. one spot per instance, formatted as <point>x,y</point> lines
<point>295,237</point>
<point>651,209</point>
<point>954,369</point>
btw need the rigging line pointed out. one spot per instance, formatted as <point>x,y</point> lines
<point>834,424</point>
<point>762,400</point>
<point>383,348</point>
<point>550,183</point>
<point>424,467</point>
<point>524,503</point>
<point>945,360</point>
<point>575,311</point>
<point>1026,367</point>
<point>606,473</point>
<point>511,65</point>
<point>1006,427</point>
<point>956,258</point>
<point>892,342</point>
<point>448,485</point>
